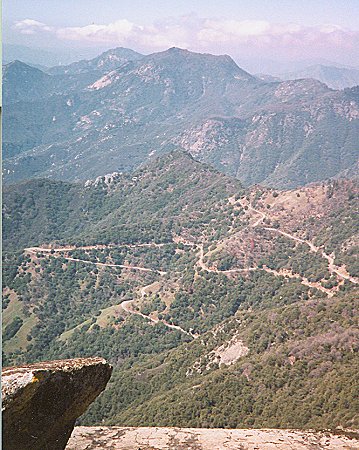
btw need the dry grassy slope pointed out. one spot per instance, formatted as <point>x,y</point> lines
<point>314,219</point>
<point>310,205</point>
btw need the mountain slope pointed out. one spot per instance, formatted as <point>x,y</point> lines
<point>274,133</point>
<point>174,186</point>
<point>23,82</point>
<point>298,357</point>
<point>244,300</point>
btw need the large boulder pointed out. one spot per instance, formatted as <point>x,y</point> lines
<point>42,401</point>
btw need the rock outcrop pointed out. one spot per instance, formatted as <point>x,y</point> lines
<point>42,401</point>
<point>116,438</point>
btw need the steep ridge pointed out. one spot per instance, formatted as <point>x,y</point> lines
<point>258,131</point>
<point>168,192</point>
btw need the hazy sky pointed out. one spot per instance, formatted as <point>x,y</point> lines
<point>280,29</point>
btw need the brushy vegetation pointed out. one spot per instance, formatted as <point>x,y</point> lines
<point>300,372</point>
<point>300,369</point>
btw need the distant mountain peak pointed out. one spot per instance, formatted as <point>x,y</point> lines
<point>178,50</point>
<point>15,63</point>
<point>178,67</point>
<point>96,121</point>
<point>21,81</point>
<point>183,60</point>
<point>334,77</point>
<point>18,65</point>
<point>103,63</point>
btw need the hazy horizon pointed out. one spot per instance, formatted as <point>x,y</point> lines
<point>280,31</point>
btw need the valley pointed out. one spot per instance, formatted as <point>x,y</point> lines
<point>180,235</point>
<point>214,281</point>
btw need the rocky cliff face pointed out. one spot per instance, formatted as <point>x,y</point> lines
<point>42,401</point>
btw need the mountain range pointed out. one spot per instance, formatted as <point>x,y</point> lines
<point>117,111</point>
<point>333,77</point>
<point>45,57</point>
<point>196,226</point>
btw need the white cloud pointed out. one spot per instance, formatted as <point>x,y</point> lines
<point>124,32</point>
<point>233,29</point>
<point>30,26</point>
<point>204,34</point>
<point>117,31</point>
<point>330,28</point>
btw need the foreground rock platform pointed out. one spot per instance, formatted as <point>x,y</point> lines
<point>40,402</point>
<point>89,438</point>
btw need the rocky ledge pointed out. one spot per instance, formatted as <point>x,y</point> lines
<point>116,438</point>
<point>40,402</point>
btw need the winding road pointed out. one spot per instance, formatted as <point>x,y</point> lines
<point>339,271</point>
<point>34,250</point>
<point>126,307</point>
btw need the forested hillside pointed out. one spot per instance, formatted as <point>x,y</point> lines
<point>296,362</point>
<point>218,306</point>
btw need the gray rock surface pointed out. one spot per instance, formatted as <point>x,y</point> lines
<point>90,438</point>
<point>42,401</point>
